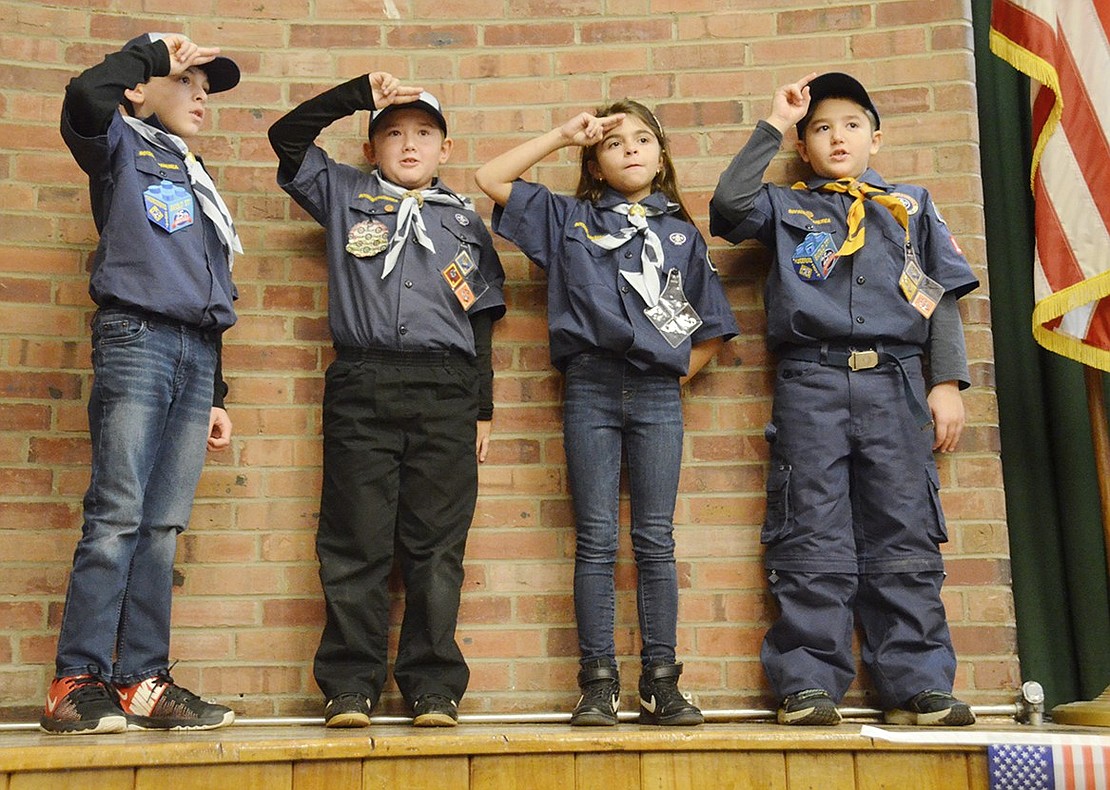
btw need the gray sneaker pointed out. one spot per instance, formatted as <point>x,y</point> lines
<point>932,708</point>
<point>810,707</point>
<point>347,710</point>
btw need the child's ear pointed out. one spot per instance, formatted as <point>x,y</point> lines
<point>876,141</point>
<point>445,150</point>
<point>368,152</point>
<point>800,146</point>
<point>136,96</point>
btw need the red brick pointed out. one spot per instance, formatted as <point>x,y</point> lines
<point>248,608</point>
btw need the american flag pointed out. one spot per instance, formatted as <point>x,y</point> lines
<point>1049,767</point>
<point>1062,45</point>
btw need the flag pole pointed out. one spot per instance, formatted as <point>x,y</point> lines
<point>1095,713</point>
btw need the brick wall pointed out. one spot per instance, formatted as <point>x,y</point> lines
<point>247,609</point>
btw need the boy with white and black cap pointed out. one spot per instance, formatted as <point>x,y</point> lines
<point>861,307</point>
<point>161,279</point>
<point>414,286</point>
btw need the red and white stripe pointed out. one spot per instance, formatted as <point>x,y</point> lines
<point>1081,767</point>
<point>1064,45</point>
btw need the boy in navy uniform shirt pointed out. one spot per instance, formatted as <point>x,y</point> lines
<point>161,279</point>
<point>860,296</point>
<point>414,286</point>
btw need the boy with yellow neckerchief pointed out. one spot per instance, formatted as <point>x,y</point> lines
<point>861,307</point>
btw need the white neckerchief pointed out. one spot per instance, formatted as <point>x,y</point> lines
<point>646,281</point>
<point>211,203</point>
<point>409,219</point>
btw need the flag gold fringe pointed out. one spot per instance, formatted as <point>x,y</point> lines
<point>1042,71</point>
<point>1059,304</point>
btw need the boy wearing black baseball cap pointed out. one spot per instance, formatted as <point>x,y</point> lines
<point>161,279</point>
<point>861,302</point>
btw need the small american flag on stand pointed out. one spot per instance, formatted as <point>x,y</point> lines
<point>1048,767</point>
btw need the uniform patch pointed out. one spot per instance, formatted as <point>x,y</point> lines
<point>462,219</point>
<point>464,278</point>
<point>465,296</point>
<point>677,239</point>
<point>367,238</point>
<point>464,261</point>
<point>673,315</point>
<point>453,275</point>
<point>815,257</point>
<point>908,201</point>
<point>921,291</point>
<point>169,206</point>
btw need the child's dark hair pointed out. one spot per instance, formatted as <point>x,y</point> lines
<point>591,188</point>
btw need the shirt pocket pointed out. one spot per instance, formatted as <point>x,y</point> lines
<point>588,264</point>
<point>160,168</point>
<point>798,226</point>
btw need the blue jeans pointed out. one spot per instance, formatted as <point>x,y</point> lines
<point>148,421</point>
<point>610,405</point>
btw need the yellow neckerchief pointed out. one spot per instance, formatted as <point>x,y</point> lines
<point>861,192</point>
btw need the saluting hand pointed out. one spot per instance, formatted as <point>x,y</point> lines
<point>790,103</point>
<point>388,90</point>
<point>184,54</point>
<point>585,129</point>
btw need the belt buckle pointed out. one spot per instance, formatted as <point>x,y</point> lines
<point>863,360</point>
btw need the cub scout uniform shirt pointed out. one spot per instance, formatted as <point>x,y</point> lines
<point>422,303</point>
<point>591,306</point>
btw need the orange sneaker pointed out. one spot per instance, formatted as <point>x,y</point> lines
<point>81,705</point>
<point>158,703</point>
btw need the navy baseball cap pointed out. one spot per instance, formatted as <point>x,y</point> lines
<point>222,73</point>
<point>835,85</point>
<point>427,102</point>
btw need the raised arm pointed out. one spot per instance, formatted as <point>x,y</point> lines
<point>293,133</point>
<point>496,177</point>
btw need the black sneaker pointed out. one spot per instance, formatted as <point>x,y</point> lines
<point>660,700</point>
<point>813,707</point>
<point>601,696</point>
<point>158,703</point>
<point>932,708</point>
<point>347,710</point>
<point>435,710</point>
<point>82,705</point>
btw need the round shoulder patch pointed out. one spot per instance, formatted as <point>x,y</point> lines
<point>677,239</point>
<point>462,219</point>
<point>908,201</point>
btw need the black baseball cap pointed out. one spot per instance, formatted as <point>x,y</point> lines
<point>222,73</point>
<point>836,85</point>
<point>427,102</point>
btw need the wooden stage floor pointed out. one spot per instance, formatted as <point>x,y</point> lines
<point>715,756</point>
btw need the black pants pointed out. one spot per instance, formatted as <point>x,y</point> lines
<point>399,473</point>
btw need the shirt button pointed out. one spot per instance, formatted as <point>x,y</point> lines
<point>859,320</point>
<point>624,289</point>
<point>861,279</point>
<point>403,330</point>
<point>408,283</point>
<point>628,254</point>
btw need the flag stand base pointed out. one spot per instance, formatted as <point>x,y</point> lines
<point>1095,713</point>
